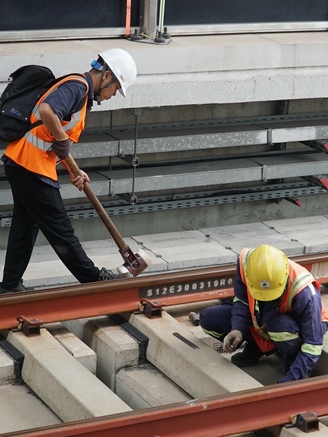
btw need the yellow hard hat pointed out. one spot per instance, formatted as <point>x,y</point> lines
<point>266,272</point>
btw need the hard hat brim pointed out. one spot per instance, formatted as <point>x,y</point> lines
<point>265,295</point>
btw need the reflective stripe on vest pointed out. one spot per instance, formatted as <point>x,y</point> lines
<point>33,150</point>
<point>46,145</point>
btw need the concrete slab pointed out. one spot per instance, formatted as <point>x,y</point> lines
<point>187,249</point>
<point>181,315</point>
<point>186,360</point>
<point>106,253</point>
<point>79,350</point>
<point>145,387</point>
<point>311,232</point>
<point>21,409</point>
<point>64,384</point>
<point>7,368</point>
<point>237,237</point>
<point>46,270</point>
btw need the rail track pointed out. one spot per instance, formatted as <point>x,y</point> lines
<point>256,409</point>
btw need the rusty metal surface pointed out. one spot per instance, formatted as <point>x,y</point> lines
<point>111,297</point>
<point>208,417</point>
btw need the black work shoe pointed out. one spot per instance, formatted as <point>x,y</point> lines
<point>17,289</point>
<point>108,275</point>
<point>248,357</point>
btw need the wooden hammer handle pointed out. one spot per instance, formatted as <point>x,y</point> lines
<point>98,206</point>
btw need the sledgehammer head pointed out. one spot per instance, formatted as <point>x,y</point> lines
<point>134,264</point>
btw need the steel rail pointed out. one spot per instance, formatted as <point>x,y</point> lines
<point>211,417</point>
<point>112,297</point>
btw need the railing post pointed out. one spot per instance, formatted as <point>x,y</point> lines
<point>149,18</point>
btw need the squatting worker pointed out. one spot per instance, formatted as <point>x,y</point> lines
<point>30,167</point>
<point>277,306</point>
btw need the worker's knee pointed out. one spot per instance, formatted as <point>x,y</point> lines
<point>216,319</point>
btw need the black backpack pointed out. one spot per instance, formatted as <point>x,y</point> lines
<point>18,99</point>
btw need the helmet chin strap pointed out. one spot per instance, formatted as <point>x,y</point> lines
<point>97,97</point>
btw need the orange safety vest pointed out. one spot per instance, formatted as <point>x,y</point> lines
<point>33,150</point>
<point>298,278</point>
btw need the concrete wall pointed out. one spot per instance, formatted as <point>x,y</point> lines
<point>196,78</point>
<point>195,69</point>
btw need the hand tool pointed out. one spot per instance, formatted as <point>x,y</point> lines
<point>194,318</point>
<point>135,263</point>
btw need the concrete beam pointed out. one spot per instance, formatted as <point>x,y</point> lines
<point>145,387</point>
<point>63,383</point>
<point>115,349</point>
<point>74,346</point>
<point>186,360</point>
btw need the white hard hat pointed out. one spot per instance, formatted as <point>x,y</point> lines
<point>122,65</point>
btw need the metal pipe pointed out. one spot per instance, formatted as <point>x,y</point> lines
<point>149,18</point>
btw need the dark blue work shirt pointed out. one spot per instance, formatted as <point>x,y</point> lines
<point>66,98</point>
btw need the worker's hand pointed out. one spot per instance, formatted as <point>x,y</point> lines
<point>79,180</point>
<point>62,148</point>
<point>232,341</point>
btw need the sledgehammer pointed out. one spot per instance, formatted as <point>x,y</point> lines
<point>135,263</point>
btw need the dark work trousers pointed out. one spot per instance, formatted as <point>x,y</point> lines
<point>38,205</point>
<point>217,320</point>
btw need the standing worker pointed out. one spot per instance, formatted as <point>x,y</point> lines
<point>30,167</point>
<point>277,306</point>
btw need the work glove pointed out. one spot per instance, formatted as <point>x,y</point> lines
<point>62,148</point>
<point>232,340</point>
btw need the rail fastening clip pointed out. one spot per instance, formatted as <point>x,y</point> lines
<point>29,326</point>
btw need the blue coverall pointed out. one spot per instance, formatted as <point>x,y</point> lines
<point>302,326</point>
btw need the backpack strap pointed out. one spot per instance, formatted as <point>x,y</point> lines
<point>75,76</point>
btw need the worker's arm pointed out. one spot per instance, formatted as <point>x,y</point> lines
<point>78,180</point>
<point>52,122</point>
<point>241,317</point>
<point>307,313</point>
<point>59,105</point>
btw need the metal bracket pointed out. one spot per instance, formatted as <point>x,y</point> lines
<point>29,326</point>
<point>269,137</point>
<point>133,160</point>
<point>151,308</point>
<point>307,422</point>
<point>140,338</point>
<point>129,198</point>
